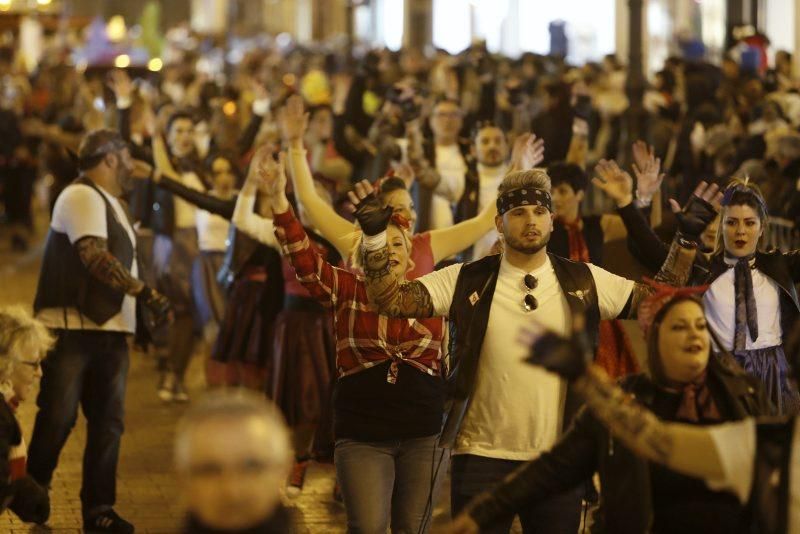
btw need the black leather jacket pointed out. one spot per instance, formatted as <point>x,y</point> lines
<point>587,447</point>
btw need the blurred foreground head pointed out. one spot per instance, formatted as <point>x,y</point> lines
<point>232,455</point>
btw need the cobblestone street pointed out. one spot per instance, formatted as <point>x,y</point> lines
<point>147,489</point>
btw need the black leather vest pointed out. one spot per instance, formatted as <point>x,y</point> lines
<point>64,282</point>
<point>469,318</point>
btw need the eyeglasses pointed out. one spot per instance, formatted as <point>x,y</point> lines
<point>529,302</point>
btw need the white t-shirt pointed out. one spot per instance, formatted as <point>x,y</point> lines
<point>212,231</point>
<point>720,305</point>
<point>516,409</point>
<point>736,448</point>
<point>184,211</point>
<point>490,178</point>
<point>79,212</point>
<point>452,168</point>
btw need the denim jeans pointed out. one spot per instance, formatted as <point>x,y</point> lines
<point>87,368</point>
<point>389,482</point>
<point>472,475</point>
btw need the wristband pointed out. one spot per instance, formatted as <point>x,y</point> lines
<point>686,241</point>
<point>371,243</point>
<point>123,102</point>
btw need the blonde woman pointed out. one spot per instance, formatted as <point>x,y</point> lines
<point>389,396</point>
<point>24,341</point>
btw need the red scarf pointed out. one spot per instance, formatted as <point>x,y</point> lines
<point>697,402</point>
<point>578,251</point>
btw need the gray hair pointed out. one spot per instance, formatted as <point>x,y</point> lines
<point>531,178</point>
<point>18,327</point>
<point>233,405</point>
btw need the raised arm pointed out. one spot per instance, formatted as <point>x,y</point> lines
<point>218,206</point>
<point>389,295</point>
<point>685,448</point>
<point>244,217</point>
<point>326,221</point>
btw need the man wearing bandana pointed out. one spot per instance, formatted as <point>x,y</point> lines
<point>503,412</point>
<point>88,292</point>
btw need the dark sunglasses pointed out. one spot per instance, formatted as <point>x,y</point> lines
<point>529,302</point>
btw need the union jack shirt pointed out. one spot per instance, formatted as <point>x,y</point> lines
<point>364,338</point>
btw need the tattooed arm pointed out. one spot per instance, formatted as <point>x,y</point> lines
<point>688,449</point>
<point>101,264</point>
<point>391,296</point>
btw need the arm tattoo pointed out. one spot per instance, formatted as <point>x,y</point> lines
<point>674,271</point>
<point>101,264</point>
<point>389,295</point>
<point>633,424</point>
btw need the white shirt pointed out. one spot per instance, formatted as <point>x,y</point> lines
<point>490,178</point>
<point>736,448</point>
<point>452,168</point>
<point>257,227</point>
<point>80,212</point>
<point>184,211</point>
<point>516,409</point>
<point>720,305</point>
<point>212,231</point>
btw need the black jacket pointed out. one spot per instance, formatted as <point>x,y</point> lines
<point>781,267</point>
<point>587,447</point>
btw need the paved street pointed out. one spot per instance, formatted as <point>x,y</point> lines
<point>147,489</point>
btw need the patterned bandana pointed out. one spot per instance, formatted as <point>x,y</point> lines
<point>662,295</point>
<point>402,222</point>
<point>733,189</point>
<point>523,197</point>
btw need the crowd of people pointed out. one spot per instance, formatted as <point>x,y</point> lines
<point>377,244</point>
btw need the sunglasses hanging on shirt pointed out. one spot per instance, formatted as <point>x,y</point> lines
<point>529,302</point>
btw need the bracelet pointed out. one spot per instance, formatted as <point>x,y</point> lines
<point>685,241</point>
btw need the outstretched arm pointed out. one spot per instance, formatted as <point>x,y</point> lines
<point>685,448</point>
<point>326,221</point>
<point>446,242</point>
<point>244,217</point>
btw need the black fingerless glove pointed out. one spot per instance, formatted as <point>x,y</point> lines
<point>156,303</point>
<point>565,357</point>
<point>30,500</point>
<point>693,219</point>
<point>371,216</point>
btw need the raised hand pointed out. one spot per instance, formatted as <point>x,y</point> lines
<point>647,169</point>
<point>161,159</point>
<point>272,181</point>
<point>371,216</point>
<point>702,208</point>
<point>293,119</point>
<point>614,182</point>
<point>120,83</point>
<point>527,152</point>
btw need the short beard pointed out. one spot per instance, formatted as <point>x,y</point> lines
<point>515,245</point>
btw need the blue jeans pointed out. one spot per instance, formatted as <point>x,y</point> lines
<point>87,368</point>
<point>472,475</point>
<point>389,482</point>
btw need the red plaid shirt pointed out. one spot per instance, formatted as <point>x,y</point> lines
<point>364,338</point>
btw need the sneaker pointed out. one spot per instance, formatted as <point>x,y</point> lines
<point>297,478</point>
<point>107,521</point>
<point>179,393</point>
<point>167,387</point>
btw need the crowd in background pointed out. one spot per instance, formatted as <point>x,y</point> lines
<point>435,134</point>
